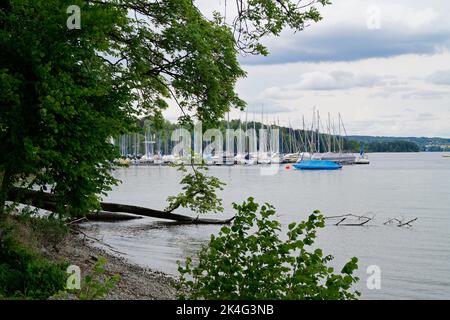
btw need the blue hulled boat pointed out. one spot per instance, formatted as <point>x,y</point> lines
<point>317,165</point>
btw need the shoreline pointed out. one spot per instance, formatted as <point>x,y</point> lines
<point>136,282</point>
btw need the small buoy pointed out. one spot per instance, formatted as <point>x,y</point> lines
<point>287,167</point>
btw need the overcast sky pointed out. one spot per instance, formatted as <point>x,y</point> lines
<point>383,64</point>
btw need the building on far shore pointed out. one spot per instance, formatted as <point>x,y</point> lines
<point>437,147</point>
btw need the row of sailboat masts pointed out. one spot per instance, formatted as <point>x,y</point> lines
<point>312,139</point>
<point>329,138</point>
<point>316,138</point>
<point>333,147</point>
<point>130,145</point>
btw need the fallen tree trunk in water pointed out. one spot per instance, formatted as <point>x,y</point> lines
<point>146,212</point>
<point>110,211</point>
<point>111,216</point>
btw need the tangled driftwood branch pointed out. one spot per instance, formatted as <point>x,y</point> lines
<point>345,217</point>
<point>389,221</point>
<point>400,223</point>
<point>408,223</point>
<point>365,219</point>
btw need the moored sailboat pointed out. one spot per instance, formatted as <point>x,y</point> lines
<point>317,165</point>
<point>362,158</point>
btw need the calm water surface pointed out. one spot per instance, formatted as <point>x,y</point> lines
<point>414,262</point>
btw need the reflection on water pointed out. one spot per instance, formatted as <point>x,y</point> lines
<point>415,262</point>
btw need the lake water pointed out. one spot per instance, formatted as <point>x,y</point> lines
<point>414,262</point>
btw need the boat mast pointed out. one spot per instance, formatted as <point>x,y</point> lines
<point>255,140</point>
<point>318,131</point>
<point>335,136</point>
<point>304,134</point>
<point>262,146</point>
<point>329,132</point>
<point>291,149</point>
<point>227,136</point>
<point>281,132</point>
<point>240,145</point>
<point>313,142</point>
<point>245,136</point>
<point>344,131</point>
<point>340,135</point>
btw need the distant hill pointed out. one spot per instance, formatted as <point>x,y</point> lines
<point>292,140</point>
<point>425,144</point>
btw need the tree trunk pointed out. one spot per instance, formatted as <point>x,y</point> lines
<point>47,201</point>
<point>112,216</point>
<point>5,185</point>
<point>116,207</point>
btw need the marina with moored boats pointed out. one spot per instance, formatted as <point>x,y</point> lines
<point>317,145</point>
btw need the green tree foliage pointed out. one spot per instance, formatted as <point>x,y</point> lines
<point>23,273</point>
<point>251,260</point>
<point>422,142</point>
<point>95,285</point>
<point>352,146</point>
<point>394,146</point>
<point>60,100</point>
<point>199,192</point>
<point>258,18</point>
<point>64,93</point>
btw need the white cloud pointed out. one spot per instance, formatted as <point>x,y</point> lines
<point>336,80</point>
<point>388,81</point>
<point>426,94</point>
<point>412,16</point>
<point>406,27</point>
<point>440,77</point>
<point>267,108</point>
<point>426,116</point>
<point>378,96</point>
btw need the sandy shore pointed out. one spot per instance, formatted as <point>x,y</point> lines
<point>136,283</point>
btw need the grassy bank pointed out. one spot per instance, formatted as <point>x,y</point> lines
<point>35,253</point>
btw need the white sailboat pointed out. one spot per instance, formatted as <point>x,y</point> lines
<point>157,158</point>
<point>240,151</point>
<point>338,156</point>
<point>251,157</point>
<point>274,145</point>
<point>362,158</point>
<point>263,155</point>
<point>168,158</point>
<point>148,145</point>
<point>227,158</point>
